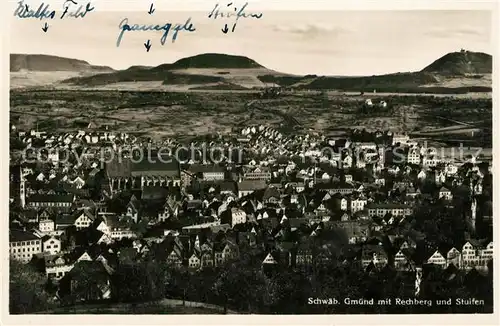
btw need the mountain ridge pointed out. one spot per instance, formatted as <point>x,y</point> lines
<point>47,63</point>
<point>462,63</point>
<point>217,68</point>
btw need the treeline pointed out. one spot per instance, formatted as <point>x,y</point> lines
<point>245,287</point>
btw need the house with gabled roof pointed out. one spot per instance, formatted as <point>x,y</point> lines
<point>358,204</point>
<point>408,243</point>
<point>83,219</point>
<point>171,209</point>
<point>438,259</point>
<point>56,266</point>
<point>304,255</point>
<point>83,256</point>
<point>104,238</point>
<point>421,175</point>
<point>445,193</point>
<point>347,162</point>
<point>218,253</point>
<point>230,251</point>
<point>194,261</point>
<point>207,256</point>
<point>476,253</point>
<point>115,229</point>
<point>487,252</point>
<point>133,208</point>
<point>51,245</point>
<point>270,259</point>
<point>174,256</point>
<point>238,216</point>
<point>348,178</point>
<point>374,255</point>
<point>77,182</point>
<point>440,177</point>
<point>454,257</point>
<point>403,260</point>
<point>46,226</point>
<point>76,282</point>
<point>271,195</point>
<point>46,213</point>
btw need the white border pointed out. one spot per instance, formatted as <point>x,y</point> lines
<point>295,5</point>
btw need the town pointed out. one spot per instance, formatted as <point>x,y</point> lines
<point>285,217</point>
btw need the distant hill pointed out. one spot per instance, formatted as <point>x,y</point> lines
<point>165,72</point>
<point>431,79</point>
<point>216,60</point>
<point>461,63</point>
<point>220,86</point>
<point>381,83</point>
<point>41,62</point>
<point>132,74</point>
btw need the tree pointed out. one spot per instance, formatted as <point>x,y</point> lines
<point>245,288</point>
<point>142,281</point>
<point>26,289</point>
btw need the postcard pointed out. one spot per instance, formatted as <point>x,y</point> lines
<point>257,158</point>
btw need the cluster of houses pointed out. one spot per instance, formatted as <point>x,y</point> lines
<point>288,202</point>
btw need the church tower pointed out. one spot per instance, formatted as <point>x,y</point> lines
<point>473,209</point>
<point>22,188</point>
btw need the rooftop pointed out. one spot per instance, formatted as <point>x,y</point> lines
<point>18,235</point>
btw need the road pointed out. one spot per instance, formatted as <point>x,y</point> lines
<point>120,308</point>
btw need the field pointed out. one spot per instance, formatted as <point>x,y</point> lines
<point>187,113</point>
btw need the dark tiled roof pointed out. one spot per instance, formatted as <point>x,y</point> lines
<point>333,186</point>
<point>116,169</point>
<point>124,167</point>
<point>54,198</point>
<point>18,235</point>
<point>247,185</point>
<point>221,227</point>
<point>387,206</point>
<point>228,185</point>
<point>198,168</point>
<point>225,185</point>
<point>270,193</point>
<point>66,219</point>
<point>168,167</point>
<point>153,192</point>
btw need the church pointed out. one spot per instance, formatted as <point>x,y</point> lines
<point>129,174</point>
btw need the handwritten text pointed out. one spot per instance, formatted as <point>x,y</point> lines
<point>236,14</point>
<point>43,11</point>
<point>80,11</point>
<point>126,27</point>
<point>70,10</point>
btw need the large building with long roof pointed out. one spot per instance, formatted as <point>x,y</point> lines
<point>128,173</point>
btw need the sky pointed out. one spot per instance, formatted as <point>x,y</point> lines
<point>327,42</point>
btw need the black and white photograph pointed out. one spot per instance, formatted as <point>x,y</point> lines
<point>232,159</point>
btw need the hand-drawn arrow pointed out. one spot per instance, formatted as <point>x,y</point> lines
<point>45,28</point>
<point>151,10</point>
<point>225,29</point>
<point>147,45</point>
